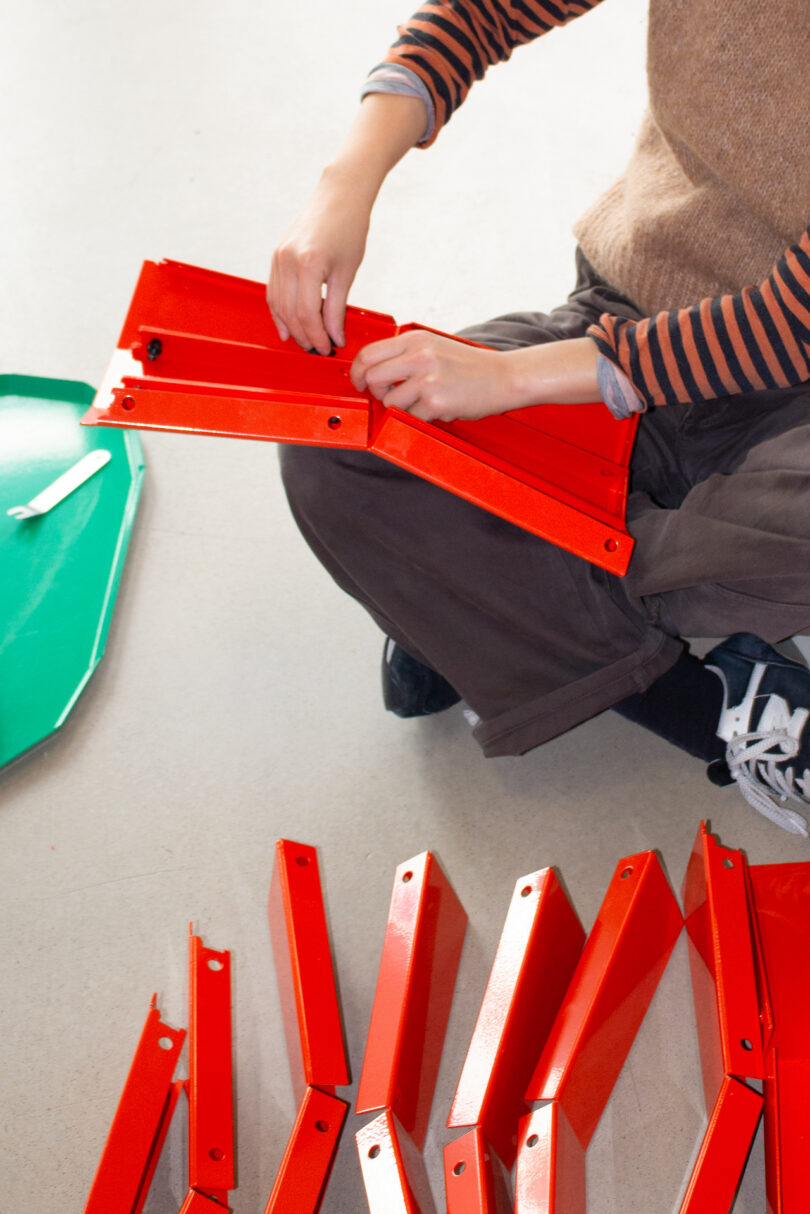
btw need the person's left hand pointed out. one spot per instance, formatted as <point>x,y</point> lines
<point>435,378</point>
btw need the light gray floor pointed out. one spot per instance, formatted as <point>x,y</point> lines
<point>238,701</point>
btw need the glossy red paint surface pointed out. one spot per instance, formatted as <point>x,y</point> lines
<point>211,1162</point>
<point>550,1172</point>
<point>300,1185</point>
<point>394,1173</point>
<point>199,354</point>
<point>474,1181</point>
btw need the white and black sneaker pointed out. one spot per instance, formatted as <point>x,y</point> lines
<point>411,689</point>
<point>766,706</point>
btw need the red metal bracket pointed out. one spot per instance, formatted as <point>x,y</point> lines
<point>200,1203</point>
<point>210,1082</point>
<point>417,974</point>
<point>394,1173</point>
<point>781,895</point>
<point>198,353</point>
<point>140,1123</point>
<point>620,967</point>
<point>550,1172</point>
<point>304,970</point>
<point>474,1182</point>
<point>539,948</point>
<point>304,1173</point>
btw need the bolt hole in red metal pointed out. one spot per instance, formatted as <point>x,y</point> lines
<point>216,1154</point>
<point>322,1127</point>
<point>524,893</point>
<point>374,1152</point>
<point>727,863</point>
<point>128,402</point>
<point>746,1044</point>
<point>334,423</point>
<point>627,873</point>
<point>302,861</point>
<point>213,964</point>
<point>459,1168</point>
<point>532,1140</point>
<point>406,877</point>
<point>166,1043</point>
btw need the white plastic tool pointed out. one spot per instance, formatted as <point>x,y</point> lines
<point>56,492</point>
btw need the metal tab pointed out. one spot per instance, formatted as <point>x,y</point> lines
<point>620,967</point>
<point>415,982</point>
<point>140,1122</point>
<point>539,947</point>
<point>394,1174</point>
<point>550,1172</point>
<point>304,1173</point>
<point>304,970</point>
<point>210,1083</point>
<point>474,1182</point>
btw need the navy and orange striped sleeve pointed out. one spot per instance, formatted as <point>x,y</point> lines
<point>449,44</point>
<point>755,339</point>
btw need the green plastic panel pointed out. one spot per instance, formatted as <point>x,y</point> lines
<point>59,572</point>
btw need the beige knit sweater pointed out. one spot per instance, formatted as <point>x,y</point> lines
<point>719,181</point>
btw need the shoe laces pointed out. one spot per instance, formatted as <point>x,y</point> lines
<point>755,761</point>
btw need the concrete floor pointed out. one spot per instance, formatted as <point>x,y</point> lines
<point>238,701</point>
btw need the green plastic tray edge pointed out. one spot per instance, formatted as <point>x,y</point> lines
<point>81,393</point>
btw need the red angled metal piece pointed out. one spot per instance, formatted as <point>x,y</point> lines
<point>198,353</point>
<point>620,967</point>
<point>304,970</point>
<point>177,1088</point>
<point>417,974</point>
<point>210,1082</point>
<point>474,1182</point>
<point>550,1172</point>
<point>140,1122</point>
<point>304,1173</point>
<point>540,945</point>
<point>781,894</point>
<point>721,1162</point>
<point>394,1174</point>
<point>200,1203</point>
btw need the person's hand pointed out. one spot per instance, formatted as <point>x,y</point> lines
<point>323,248</point>
<point>434,377</point>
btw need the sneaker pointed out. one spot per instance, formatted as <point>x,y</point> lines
<point>411,689</point>
<point>766,705</point>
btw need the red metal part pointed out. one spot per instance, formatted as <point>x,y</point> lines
<point>420,957</point>
<point>304,1173</point>
<point>473,1178</point>
<point>721,1162</point>
<point>210,1082</point>
<point>550,1172</point>
<point>620,967</point>
<point>781,894</point>
<point>200,1203</point>
<point>212,363</point>
<point>140,1122</point>
<point>177,1088</point>
<point>394,1174</point>
<point>540,945</point>
<point>304,970</point>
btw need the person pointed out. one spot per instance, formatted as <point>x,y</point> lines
<point>692,308</point>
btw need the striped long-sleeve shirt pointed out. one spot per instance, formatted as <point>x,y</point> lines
<point>756,338</point>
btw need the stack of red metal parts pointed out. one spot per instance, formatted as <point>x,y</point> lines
<point>558,1017</point>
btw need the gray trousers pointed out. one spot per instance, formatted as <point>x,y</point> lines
<point>537,640</point>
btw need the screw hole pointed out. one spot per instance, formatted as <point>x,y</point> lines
<point>302,861</point>
<point>216,1154</point>
<point>524,893</point>
<point>322,1127</point>
<point>406,877</point>
<point>459,1168</point>
<point>727,862</point>
<point>746,1044</point>
<point>532,1140</point>
<point>374,1152</point>
<point>165,1043</point>
<point>334,423</point>
<point>128,402</point>
<point>215,964</point>
<point>611,545</point>
<point>627,872</point>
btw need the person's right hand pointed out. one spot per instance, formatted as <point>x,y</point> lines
<point>323,248</point>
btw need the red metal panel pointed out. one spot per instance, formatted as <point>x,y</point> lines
<point>474,1182</point>
<point>210,1084</point>
<point>715,898</point>
<point>621,965</point>
<point>304,970</point>
<point>160,1138</point>
<point>127,1162</point>
<point>782,904</point>
<point>394,1174</point>
<point>420,957</point>
<point>212,363</point>
<point>304,1173</point>
<point>550,1172</point>
<point>539,948</point>
<point>719,1167</point>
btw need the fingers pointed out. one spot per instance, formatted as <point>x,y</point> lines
<point>295,300</point>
